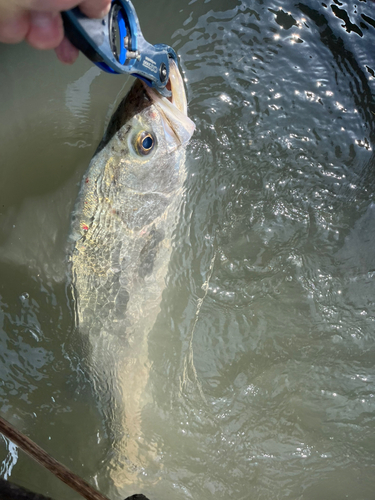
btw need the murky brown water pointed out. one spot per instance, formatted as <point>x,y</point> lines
<point>262,358</point>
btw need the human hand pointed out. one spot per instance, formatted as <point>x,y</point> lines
<point>39,22</point>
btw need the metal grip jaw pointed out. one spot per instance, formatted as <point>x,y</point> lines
<point>116,44</point>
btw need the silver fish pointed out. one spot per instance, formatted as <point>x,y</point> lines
<point>122,228</point>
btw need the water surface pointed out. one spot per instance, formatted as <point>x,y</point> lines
<point>262,358</point>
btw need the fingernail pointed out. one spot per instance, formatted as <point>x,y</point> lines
<point>46,30</point>
<point>43,19</point>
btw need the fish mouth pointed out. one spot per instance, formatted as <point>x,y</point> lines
<point>176,86</point>
<point>178,127</point>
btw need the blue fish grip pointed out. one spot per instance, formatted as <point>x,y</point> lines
<point>116,44</point>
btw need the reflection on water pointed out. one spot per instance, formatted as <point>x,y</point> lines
<point>11,459</point>
<point>78,97</point>
<point>262,359</point>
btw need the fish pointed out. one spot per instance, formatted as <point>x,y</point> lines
<point>121,240</point>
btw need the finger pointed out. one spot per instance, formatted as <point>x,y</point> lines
<point>66,52</point>
<point>92,8</point>
<point>95,8</point>
<point>8,10</point>
<point>14,29</point>
<point>46,30</point>
<point>49,5</point>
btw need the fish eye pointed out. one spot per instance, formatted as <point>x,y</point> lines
<point>144,143</point>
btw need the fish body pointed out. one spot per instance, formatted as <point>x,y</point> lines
<point>121,234</point>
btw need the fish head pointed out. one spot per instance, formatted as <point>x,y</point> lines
<point>139,165</point>
<point>150,133</point>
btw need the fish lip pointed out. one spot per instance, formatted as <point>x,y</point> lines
<point>177,88</point>
<point>178,127</point>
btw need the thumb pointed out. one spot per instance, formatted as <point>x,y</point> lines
<point>95,8</point>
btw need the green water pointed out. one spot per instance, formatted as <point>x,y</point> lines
<point>262,358</point>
